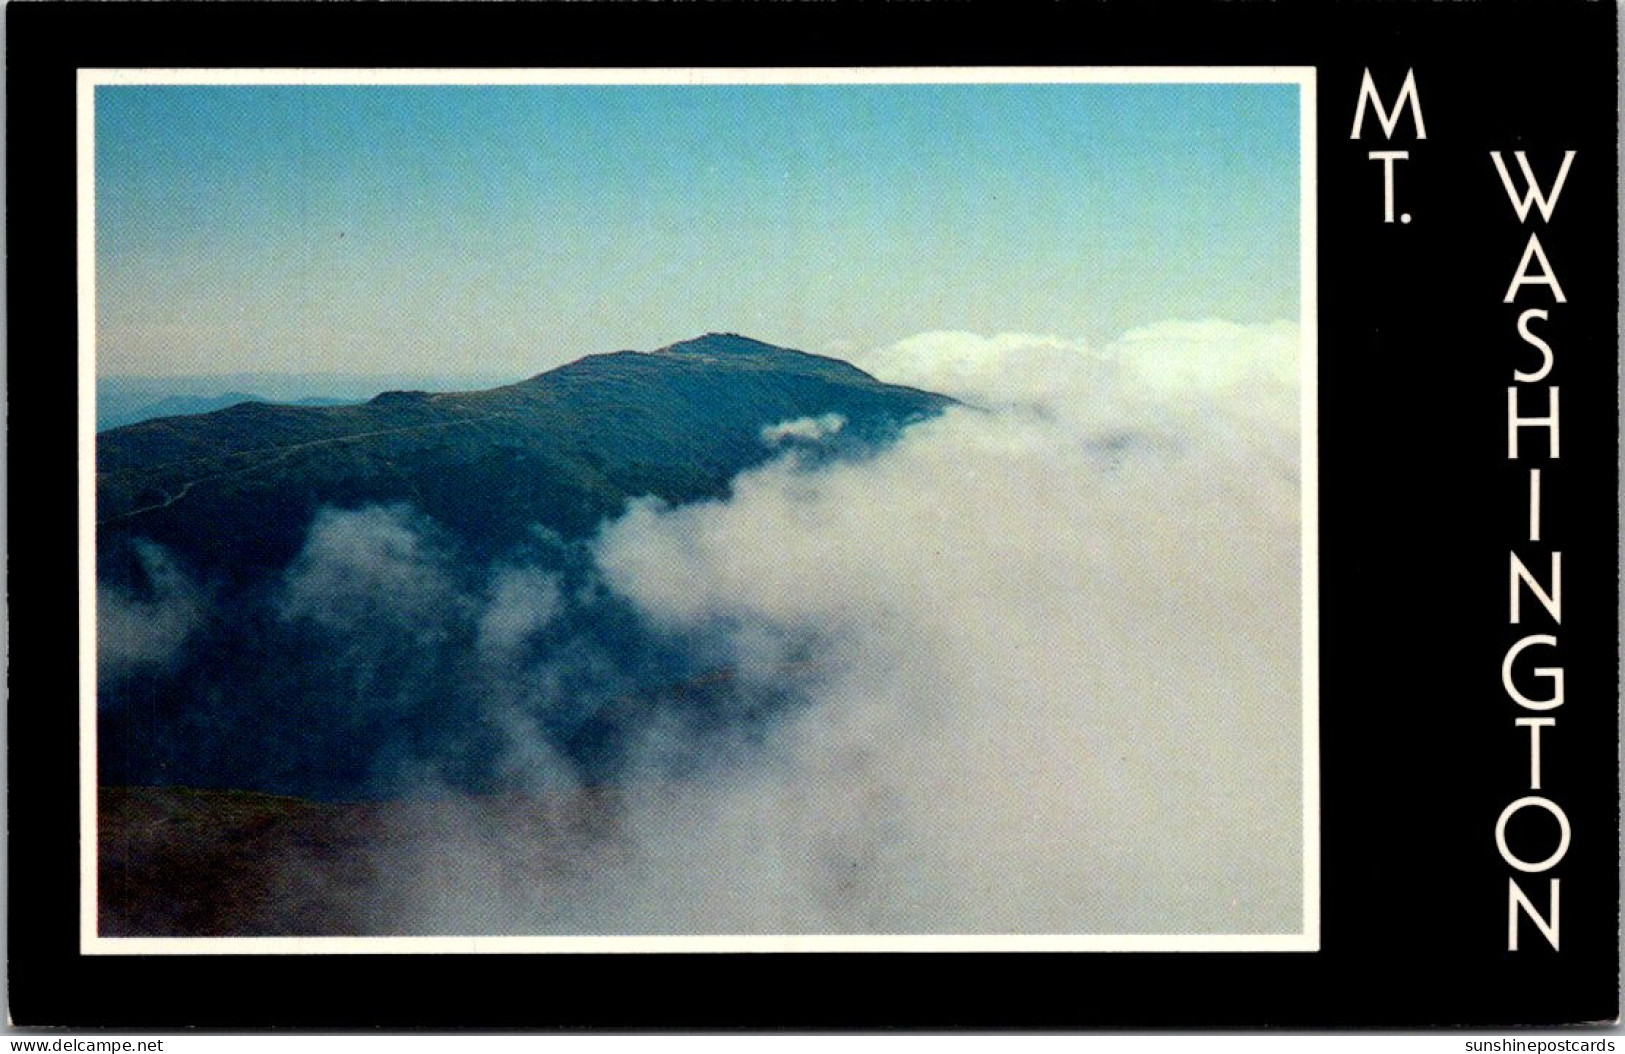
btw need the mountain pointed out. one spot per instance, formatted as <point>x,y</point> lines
<point>183,862</point>
<point>234,491</point>
<point>301,600</point>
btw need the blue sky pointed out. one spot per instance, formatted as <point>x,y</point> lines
<point>401,229</point>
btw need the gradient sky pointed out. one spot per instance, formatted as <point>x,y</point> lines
<point>448,229</point>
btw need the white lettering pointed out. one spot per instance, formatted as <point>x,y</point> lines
<point>1554,674</point>
<point>1562,834</point>
<point>1389,119</point>
<point>1535,196</point>
<point>1514,422</point>
<point>1522,278</point>
<point>1552,602</point>
<point>1517,899</point>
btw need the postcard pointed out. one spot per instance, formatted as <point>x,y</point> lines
<point>629,514</point>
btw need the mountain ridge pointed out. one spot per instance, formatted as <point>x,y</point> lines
<point>229,517</point>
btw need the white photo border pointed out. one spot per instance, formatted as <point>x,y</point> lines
<point>91,943</point>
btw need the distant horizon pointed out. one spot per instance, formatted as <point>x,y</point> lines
<point>288,374</point>
<point>125,399</point>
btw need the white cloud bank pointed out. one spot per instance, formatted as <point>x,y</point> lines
<point>1169,362</point>
<point>373,570</point>
<point>806,429</point>
<point>1058,688</point>
<point>134,633</point>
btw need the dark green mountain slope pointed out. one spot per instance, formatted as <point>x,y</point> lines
<point>230,660</point>
<point>233,491</point>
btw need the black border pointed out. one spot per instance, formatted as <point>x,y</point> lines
<point>1418,509</point>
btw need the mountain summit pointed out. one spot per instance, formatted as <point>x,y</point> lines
<point>732,345</point>
<point>718,344</point>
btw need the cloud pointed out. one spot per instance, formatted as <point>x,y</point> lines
<point>371,569</point>
<point>523,602</point>
<point>1032,668</point>
<point>806,429</point>
<point>445,658</point>
<point>1054,691</point>
<point>1171,376</point>
<point>135,633</point>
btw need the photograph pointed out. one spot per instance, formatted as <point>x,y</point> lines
<point>749,509</point>
<point>812,518</point>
